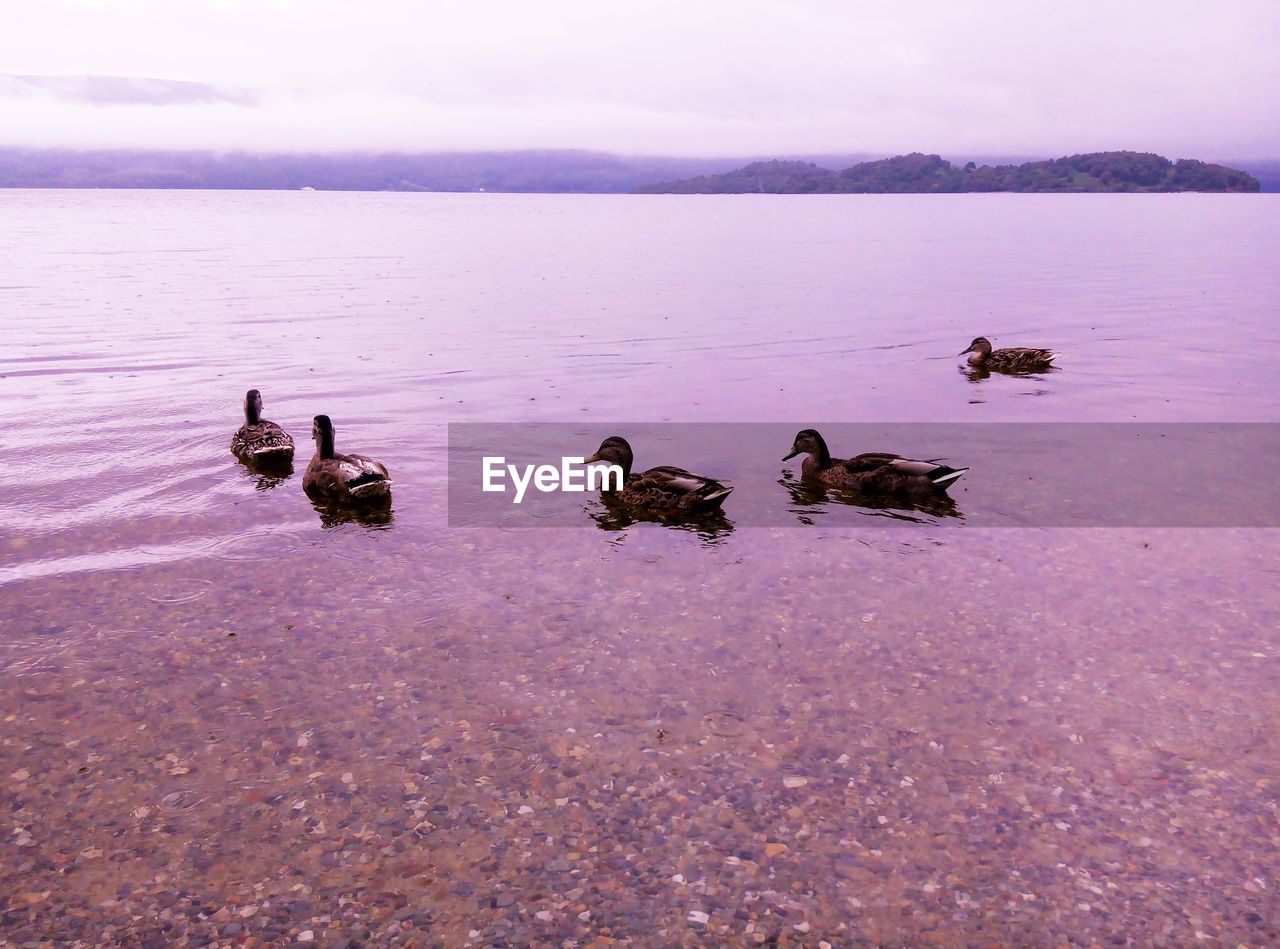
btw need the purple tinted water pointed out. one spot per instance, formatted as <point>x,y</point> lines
<point>882,734</point>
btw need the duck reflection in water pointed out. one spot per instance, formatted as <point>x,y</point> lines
<point>812,499</point>
<point>978,373</point>
<point>375,516</point>
<point>267,477</point>
<point>614,517</point>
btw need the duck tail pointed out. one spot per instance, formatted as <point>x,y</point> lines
<point>716,496</point>
<point>369,486</point>
<point>943,477</point>
<point>267,452</point>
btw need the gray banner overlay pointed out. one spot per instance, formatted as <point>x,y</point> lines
<point>1020,474</point>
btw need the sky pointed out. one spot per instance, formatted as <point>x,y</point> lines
<point>1033,78</point>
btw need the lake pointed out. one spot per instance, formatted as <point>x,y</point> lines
<point>226,714</point>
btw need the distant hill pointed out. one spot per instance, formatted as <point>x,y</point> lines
<point>582,172</point>
<point>917,173</point>
<point>523,171</point>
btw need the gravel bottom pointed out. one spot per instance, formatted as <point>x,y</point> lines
<point>289,759</point>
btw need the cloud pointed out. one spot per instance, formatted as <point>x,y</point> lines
<point>705,78</point>
<point>118,90</point>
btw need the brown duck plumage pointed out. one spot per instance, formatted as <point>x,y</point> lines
<point>661,490</point>
<point>342,478</point>
<point>257,439</point>
<point>1008,360</point>
<point>872,472</point>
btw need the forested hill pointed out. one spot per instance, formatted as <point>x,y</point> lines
<point>917,173</point>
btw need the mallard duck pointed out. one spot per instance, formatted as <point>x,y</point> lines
<point>257,439</point>
<point>661,490</point>
<point>1008,360</point>
<point>874,471</point>
<point>342,478</point>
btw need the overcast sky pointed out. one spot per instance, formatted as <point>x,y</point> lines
<point>1186,78</point>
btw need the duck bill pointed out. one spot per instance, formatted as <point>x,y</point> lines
<point>963,351</point>
<point>591,460</point>
<point>790,456</point>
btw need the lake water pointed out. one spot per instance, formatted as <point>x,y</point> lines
<point>225,714</point>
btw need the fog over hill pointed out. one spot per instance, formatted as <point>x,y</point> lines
<point>551,171</point>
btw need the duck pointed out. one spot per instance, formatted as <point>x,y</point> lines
<point>342,478</point>
<point>663,490</point>
<point>873,472</point>
<point>1008,360</point>
<point>258,440</point>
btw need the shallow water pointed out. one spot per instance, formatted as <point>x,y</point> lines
<point>222,713</point>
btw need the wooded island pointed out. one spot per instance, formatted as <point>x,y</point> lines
<point>917,173</point>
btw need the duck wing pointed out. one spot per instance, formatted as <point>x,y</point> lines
<point>668,486</point>
<point>264,438</point>
<point>347,476</point>
<point>898,472</point>
<point>1022,357</point>
<point>357,470</point>
<point>868,462</point>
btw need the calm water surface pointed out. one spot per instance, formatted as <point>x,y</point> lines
<point>225,715</point>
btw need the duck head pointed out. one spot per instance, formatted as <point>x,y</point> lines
<point>981,345</point>
<point>613,450</point>
<point>322,432</point>
<point>252,407</point>
<point>808,441</point>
